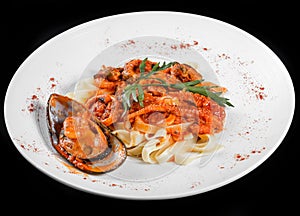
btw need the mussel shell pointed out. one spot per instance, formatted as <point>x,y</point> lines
<point>60,107</point>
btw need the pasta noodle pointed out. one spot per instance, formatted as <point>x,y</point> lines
<point>162,113</point>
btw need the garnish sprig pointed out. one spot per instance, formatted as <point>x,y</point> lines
<point>136,92</point>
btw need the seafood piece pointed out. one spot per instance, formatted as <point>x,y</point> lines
<point>81,138</point>
<point>132,68</point>
<point>185,72</point>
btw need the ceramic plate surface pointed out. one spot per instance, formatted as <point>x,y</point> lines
<point>223,53</point>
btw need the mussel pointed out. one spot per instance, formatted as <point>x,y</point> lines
<point>81,138</point>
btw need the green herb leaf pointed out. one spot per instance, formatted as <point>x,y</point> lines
<point>134,97</point>
<point>155,67</point>
<point>141,95</point>
<point>192,83</point>
<point>215,96</point>
<point>165,66</point>
<point>126,98</point>
<point>142,66</point>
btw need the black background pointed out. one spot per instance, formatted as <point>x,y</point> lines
<point>26,26</point>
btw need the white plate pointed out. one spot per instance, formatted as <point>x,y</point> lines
<point>225,54</point>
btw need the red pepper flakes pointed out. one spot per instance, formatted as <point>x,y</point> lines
<point>240,157</point>
<point>115,185</point>
<point>53,82</point>
<point>28,146</point>
<point>259,92</point>
<point>195,184</point>
<point>184,45</point>
<point>131,42</point>
<point>31,108</point>
<point>128,43</point>
<point>32,103</point>
<point>34,97</point>
<point>174,47</point>
<point>255,151</point>
<point>224,56</point>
